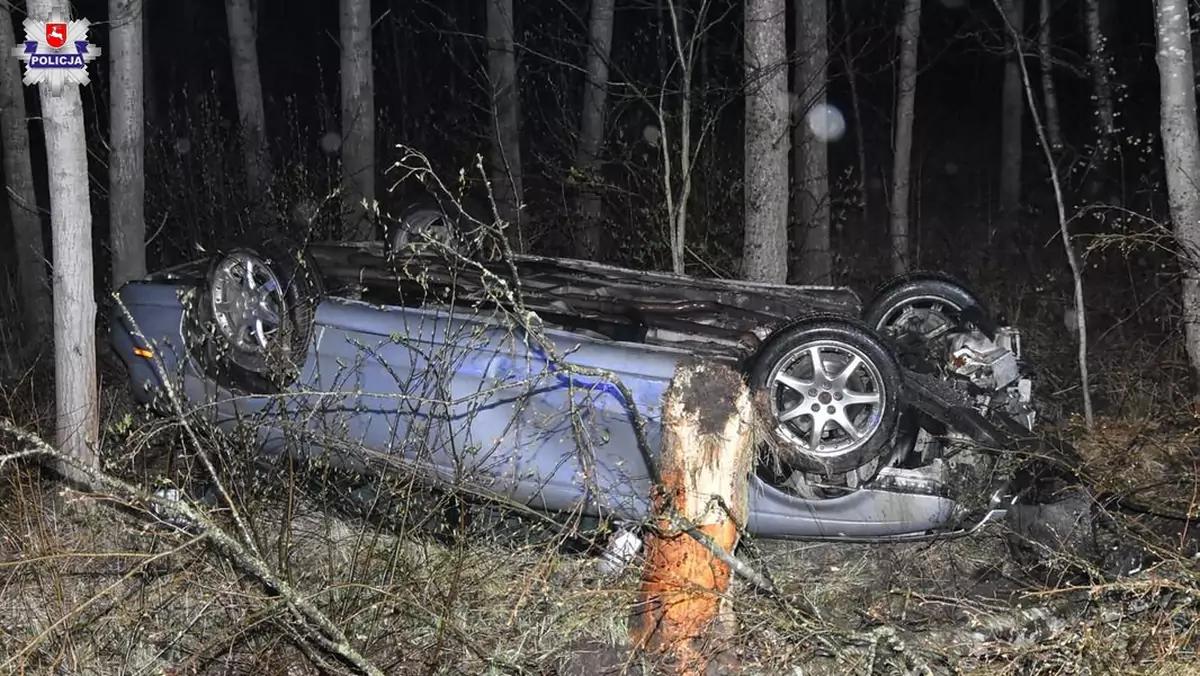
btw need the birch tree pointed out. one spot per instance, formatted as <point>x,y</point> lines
<point>811,158</point>
<point>243,47</point>
<point>358,117</point>
<point>33,284</point>
<point>1012,116</point>
<point>764,257</point>
<point>506,176</point>
<point>906,102</point>
<point>126,139</point>
<point>1181,152</point>
<point>1102,93</point>
<point>1049,90</point>
<point>75,382</point>
<point>591,125</point>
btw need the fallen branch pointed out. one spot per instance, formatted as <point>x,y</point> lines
<point>328,634</point>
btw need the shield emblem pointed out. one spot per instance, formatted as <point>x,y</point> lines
<point>56,35</point>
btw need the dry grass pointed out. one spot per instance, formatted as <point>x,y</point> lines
<point>113,591</point>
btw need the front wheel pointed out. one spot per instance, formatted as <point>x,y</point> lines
<point>250,325</point>
<point>831,389</point>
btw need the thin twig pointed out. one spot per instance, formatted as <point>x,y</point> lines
<point>1064,230</point>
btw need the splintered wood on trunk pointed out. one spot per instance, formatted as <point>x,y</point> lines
<point>683,607</point>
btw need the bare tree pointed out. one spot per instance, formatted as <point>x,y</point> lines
<point>591,126</point>
<point>906,101</point>
<point>32,282</point>
<point>243,46</point>
<point>1012,117</point>
<point>764,257</point>
<point>860,141</point>
<point>811,158</point>
<point>679,147</point>
<point>1049,91</point>
<point>1181,152</point>
<point>506,175</point>
<point>358,117</point>
<point>127,143</point>
<point>1079,309</point>
<point>74,300</point>
<point>1102,94</point>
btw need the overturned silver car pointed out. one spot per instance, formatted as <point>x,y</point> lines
<point>539,381</point>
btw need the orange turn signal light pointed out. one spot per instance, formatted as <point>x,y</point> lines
<point>143,352</point>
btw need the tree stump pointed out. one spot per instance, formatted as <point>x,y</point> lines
<point>705,464</point>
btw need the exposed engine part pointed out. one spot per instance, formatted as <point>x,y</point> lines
<point>1009,338</point>
<point>987,365</point>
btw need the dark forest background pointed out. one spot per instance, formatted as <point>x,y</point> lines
<point>431,94</point>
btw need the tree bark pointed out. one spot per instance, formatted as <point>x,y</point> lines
<point>149,68</point>
<point>1012,117</point>
<point>33,284</point>
<point>860,141</point>
<point>506,174</point>
<point>591,128</point>
<point>1098,59</point>
<point>74,299</point>
<point>243,45</point>
<point>1181,152</point>
<point>705,467</point>
<point>906,102</point>
<point>810,150</point>
<point>764,257</point>
<point>127,143</point>
<point>358,118</point>
<point>1049,91</point>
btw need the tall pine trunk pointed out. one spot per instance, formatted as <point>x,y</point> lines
<point>906,103</point>
<point>74,295</point>
<point>127,143</point>
<point>243,45</point>
<point>1181,152</point>
<point>1049,91</point>
<point>810,155</point>
<point>1102,94</point>
<point>358,118</point>
<point>591,128</point>
<point>33,284</point>
<point>1012,117</point>
<point>506,176</point>
<point>764,257</point>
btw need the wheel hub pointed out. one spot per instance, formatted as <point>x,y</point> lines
<point>246,302</point>
<point>828,398</point>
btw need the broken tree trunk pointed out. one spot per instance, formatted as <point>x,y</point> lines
<point>705,465</point>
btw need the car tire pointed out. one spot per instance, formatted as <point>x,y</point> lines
<point>918,289</point>
<point>255,344</point>
<point>786,363</point>
<point>452,224</point>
